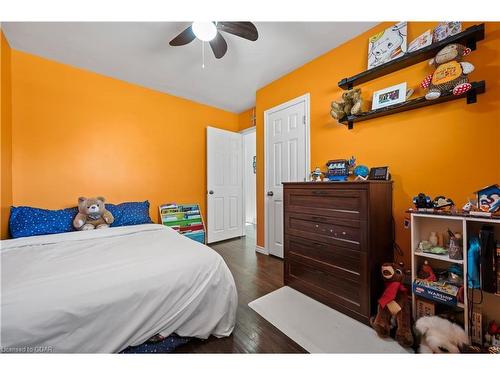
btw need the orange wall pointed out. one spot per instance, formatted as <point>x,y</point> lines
<point>245,119</point>
<point>6,135</point>
<point>449,149</point>
<point>80,133</point>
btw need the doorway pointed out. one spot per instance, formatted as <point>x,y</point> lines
<point>249,177</point>
<point>287,159</point>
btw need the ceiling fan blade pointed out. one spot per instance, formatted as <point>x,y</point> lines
<point>245,30</point>
<point>183,38</point>
<point>219,46</point>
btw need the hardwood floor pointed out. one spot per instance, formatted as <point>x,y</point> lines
<point>255,275</point>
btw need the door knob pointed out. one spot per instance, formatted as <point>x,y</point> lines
<point>270,193</point>
<point>210,192</point>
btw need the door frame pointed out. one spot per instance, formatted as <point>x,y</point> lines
<point>306,98</point>
<point>252,129</point>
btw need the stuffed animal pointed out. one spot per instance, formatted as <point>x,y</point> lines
<point>92,214</point>
<point>350,104</point>
<point>438,335</point>
<point>450,74</point>
<point>394,303</point>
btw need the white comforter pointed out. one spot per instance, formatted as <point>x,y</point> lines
<point>103,290</point>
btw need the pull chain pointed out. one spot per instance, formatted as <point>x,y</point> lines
<point>203,55</point>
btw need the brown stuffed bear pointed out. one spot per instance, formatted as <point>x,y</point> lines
<point>92,214</point>
<point>450,74</point>
<point>394,302</point>
<point>350,104</point>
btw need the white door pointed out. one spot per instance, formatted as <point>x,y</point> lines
<point>287,160</point>
<point>224,185</point>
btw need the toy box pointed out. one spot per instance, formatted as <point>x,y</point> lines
<point>435,291</point>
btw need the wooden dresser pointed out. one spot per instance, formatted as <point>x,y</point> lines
<point>336,236</point>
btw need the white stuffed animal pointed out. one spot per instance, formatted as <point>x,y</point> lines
<point>438,335</point>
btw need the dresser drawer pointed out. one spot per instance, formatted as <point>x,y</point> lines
<point>343,232</point>
<point>344,203</point>
<point>335,290</point>
<point>331,257</point>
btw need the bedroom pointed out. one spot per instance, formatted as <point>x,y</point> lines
<point>120,124</point>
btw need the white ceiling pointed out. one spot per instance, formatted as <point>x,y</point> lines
<point>138,52</point>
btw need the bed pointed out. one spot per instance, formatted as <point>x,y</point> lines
<point>101,291</point>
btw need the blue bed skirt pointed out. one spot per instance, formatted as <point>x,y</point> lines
<point>167,345</point>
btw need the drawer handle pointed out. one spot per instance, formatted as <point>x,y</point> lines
<point>320,245</point>
<point>319,192</point>
<point>317,218</point>
<point>317,226</point>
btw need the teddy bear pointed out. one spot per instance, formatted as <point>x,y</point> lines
<point>450,74</point>
<point>350,104</point>
<point>92,214</point>
<point>394,303</point>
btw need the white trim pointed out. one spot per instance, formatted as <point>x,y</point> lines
<point>306,98</point>
<point>244,132</point>
<point>260,249</point>
<point>248,130</point>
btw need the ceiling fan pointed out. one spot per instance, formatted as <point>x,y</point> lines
<point>210,32</point>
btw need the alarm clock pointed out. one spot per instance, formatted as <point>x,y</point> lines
<point>379,173</point>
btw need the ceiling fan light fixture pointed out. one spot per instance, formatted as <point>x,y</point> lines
<point>205,31</point>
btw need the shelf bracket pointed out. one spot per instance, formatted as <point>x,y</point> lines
<point>471,96</point>
<point>349,125</point>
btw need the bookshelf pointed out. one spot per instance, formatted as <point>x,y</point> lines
<point>185,219</point>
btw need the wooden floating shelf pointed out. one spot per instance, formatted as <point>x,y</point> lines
<point>477,88</point>
<point>468,37</point>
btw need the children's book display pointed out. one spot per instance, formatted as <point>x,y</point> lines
<point>185,219</point>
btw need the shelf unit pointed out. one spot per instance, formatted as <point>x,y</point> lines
<point>468,37</point>
<point>471,97</point>
<point>421,226</point>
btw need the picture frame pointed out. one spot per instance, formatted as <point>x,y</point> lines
<point>423,40</point>
<point>445,29</point>
<point>387,45</point>
<point>389,96</point>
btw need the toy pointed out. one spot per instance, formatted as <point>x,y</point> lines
<point>471,205</point>
<point>438,335</point>
<point>426,272</point>
<point>473,263</point>
<point>361,172</point>
<point>92,214</point>
<point>492,337</point>
<point>488,199</point>
<point>422,202</point>
<point>393,302</point>
<point>450,74</point>
<point>339,169</point>
<point>350,104</point>
<point>442,203</point>
<point>317,175</point>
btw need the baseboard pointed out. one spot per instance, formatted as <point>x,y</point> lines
<point>261,250</point>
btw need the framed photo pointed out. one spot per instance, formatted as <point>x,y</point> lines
<point>387,45</point>
<point>421,41</point>
<point>446,29</point>
<point>389,96</point>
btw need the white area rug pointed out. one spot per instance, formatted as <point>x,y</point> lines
<point>318,328</point>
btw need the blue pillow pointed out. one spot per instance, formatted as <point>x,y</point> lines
<point>129,213</point>
<point>30,221</point>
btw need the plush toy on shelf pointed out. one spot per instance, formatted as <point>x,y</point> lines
<point>350,104</point>
<point>394,303</point>
<point>426,272</point>
<point>92,214</point>
<point>450,74</point>
<point>437,335</point>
